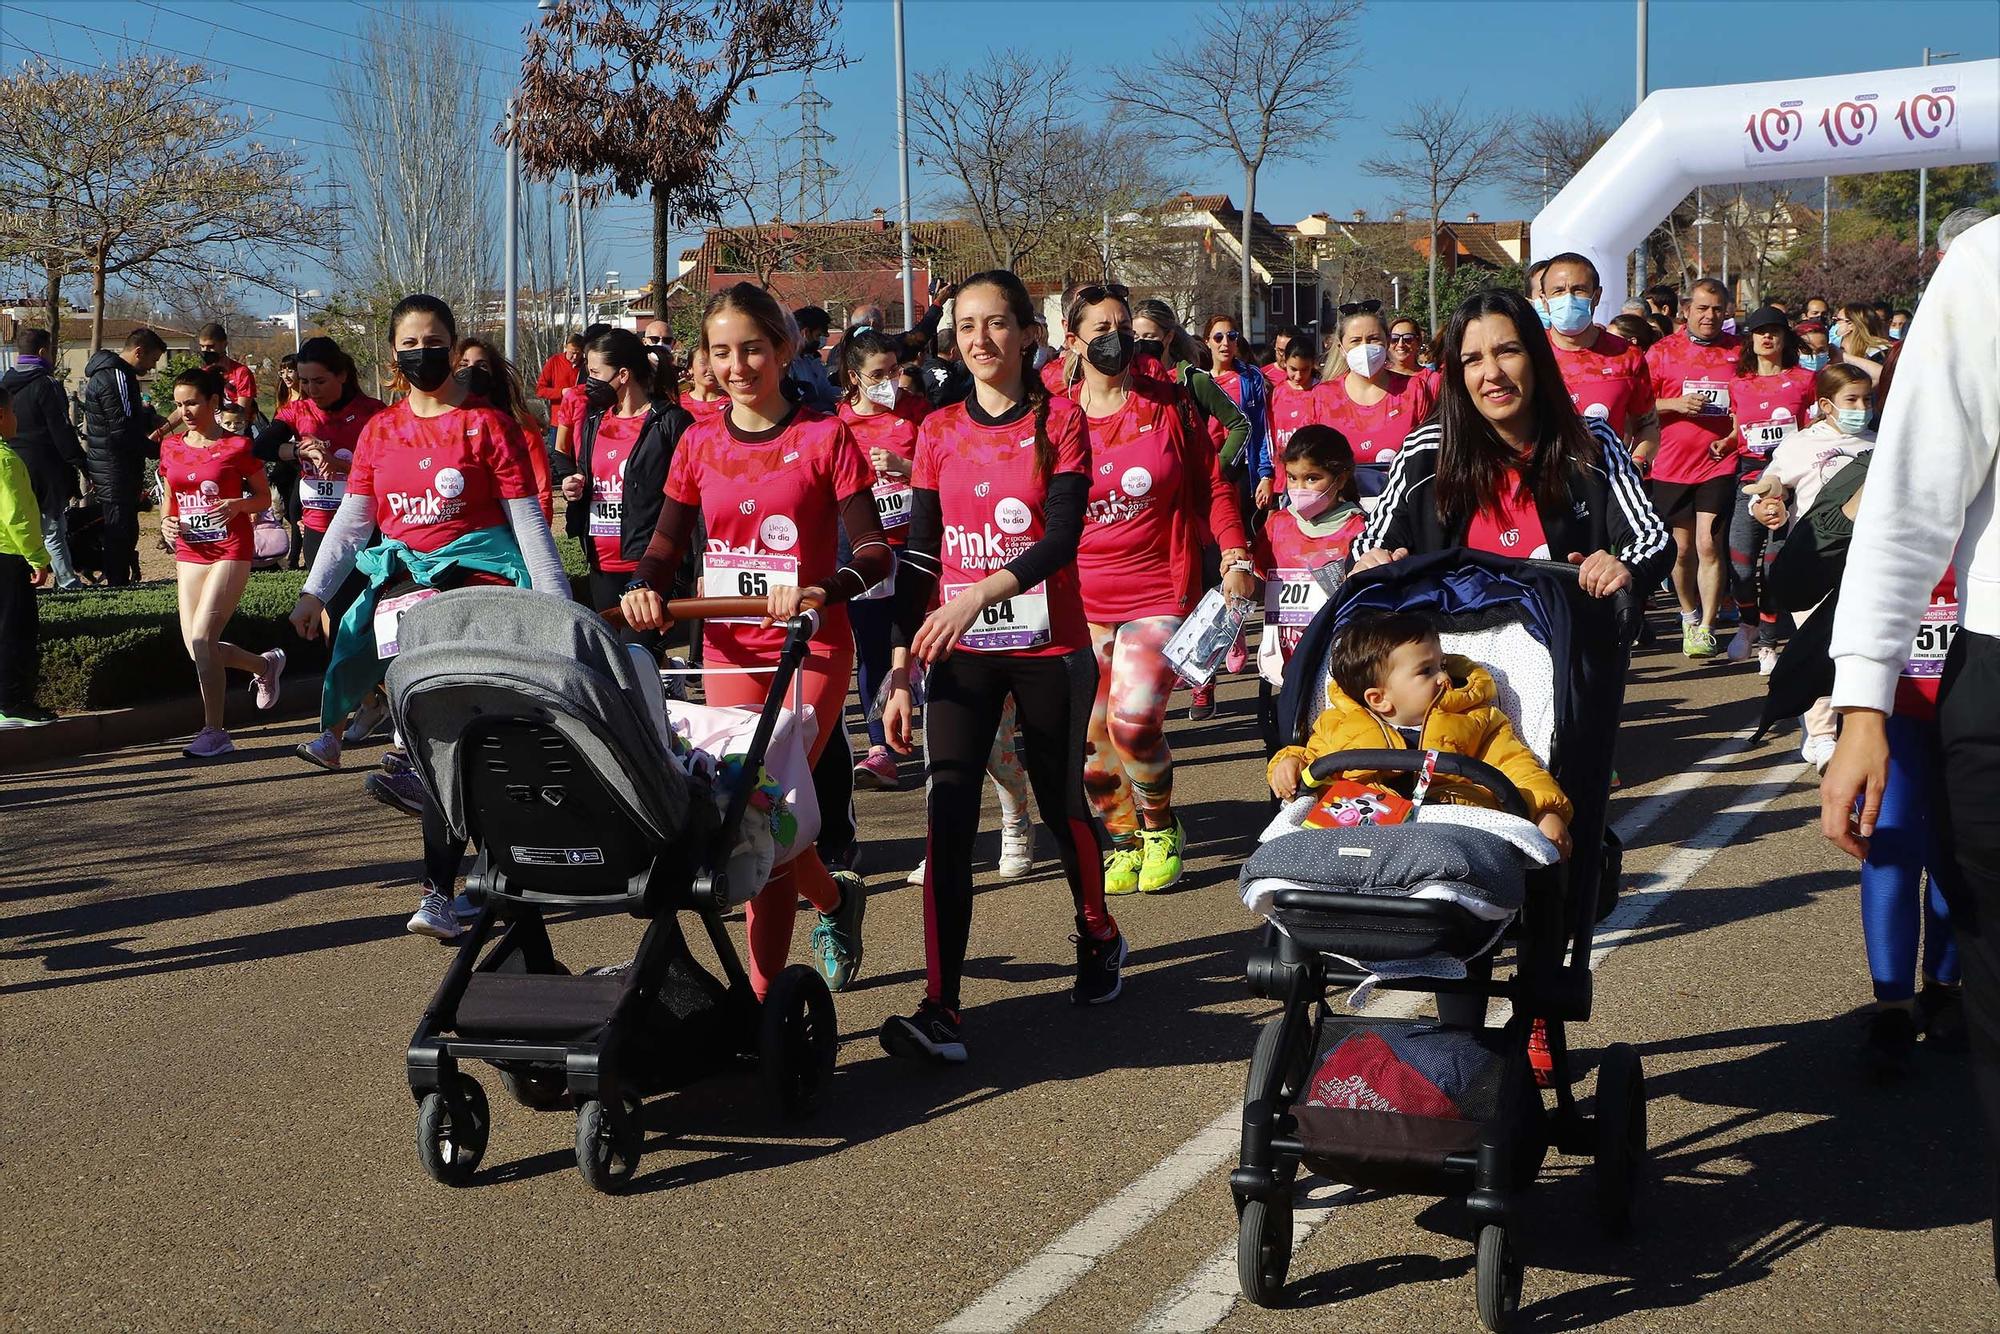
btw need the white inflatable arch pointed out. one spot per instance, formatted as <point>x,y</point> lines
<point>1841,125</point>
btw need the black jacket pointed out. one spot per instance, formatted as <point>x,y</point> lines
<point>645,479</point>
<point>118,422</point>
<point>1608,510</point>
<point>43,435</point>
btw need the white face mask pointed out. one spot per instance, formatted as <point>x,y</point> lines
<point>1367,359</point>
<point>882,393</point>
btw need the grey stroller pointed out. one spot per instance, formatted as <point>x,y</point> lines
<point>544,741</point>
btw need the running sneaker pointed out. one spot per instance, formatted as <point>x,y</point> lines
<point>1741,642</point>
<point>1121,868</point>
<point>323,750</point>
<point>368,719</point>
<point>208,744</point>
<point>1767,660</point>
<point>1818,751</point>
<point>1202,706</point>
<point>1017,849</point>
<point>836,937</point>
<point>877,771</point>
<point>1160,863</point>
<point>1698,641</point>
<point>933,1033</point>
<point>434,917</point>
<point>399,791</point>
<point>24,715</point>
<point>1100,969</point>
<point>1888,1043</point>
<point>916,876</point>
<point>467,909</point>
<point>396,762</point>
<point>1238,656</point>
<point>264,685</point>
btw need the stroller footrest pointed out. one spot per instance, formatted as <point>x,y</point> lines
<point>1373,927</point>
<point>537,1004</point>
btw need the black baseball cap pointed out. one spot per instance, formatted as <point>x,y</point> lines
<point>1765,317</point>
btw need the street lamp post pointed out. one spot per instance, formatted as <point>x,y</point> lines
<point>903,173</point>
<point>510,262</point>
<point>1924,182</point>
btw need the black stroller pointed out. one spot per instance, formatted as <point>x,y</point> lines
<point>1559,658</point>
<point>543,740</point>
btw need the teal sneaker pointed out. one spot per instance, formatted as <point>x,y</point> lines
<point>836,937</point>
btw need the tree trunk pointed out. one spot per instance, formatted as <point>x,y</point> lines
<point>662,256</point>
<point>1433,276</point>
<point>1249,211</point>
<point>97,263</point>
<point>53,272</point>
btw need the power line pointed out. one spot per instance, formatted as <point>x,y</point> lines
<point>389,14</point>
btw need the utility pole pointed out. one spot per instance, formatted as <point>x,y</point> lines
<point>1924,185</point>
<point>1104,244</point>
<point>813,171</point>
<point>510,261</point>
<point>1639,98</point>
<point>1825,216</point>
<point>903,171</point>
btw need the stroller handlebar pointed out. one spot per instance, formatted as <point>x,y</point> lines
<point>1627,610</point>
<point>701,609</point>
<point>1410,761</point>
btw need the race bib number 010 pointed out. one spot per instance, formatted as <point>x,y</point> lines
<point>733,574</point>
<point>892,503</point>
<point>1014,623</point>
<point>1933,641</point>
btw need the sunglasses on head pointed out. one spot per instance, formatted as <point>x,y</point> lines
<point>1095,293</point>
<point>1370,306</point>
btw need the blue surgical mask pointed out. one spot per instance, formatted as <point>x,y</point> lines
<point>1833,335</point>
<point>1895,334</point>
<point>1568,314</point>
<point>1541,309</point>
<point>1812,361</point>
<point>1851,421</point>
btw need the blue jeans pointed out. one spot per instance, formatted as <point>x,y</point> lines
<point>55,536</point>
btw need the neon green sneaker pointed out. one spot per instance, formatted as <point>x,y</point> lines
<point>1121,869</point>
<point>1698,642</point>
<point>1162,863</point>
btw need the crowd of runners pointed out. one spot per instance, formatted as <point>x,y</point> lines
<point>1004,514</point>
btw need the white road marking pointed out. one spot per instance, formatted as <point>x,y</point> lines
<point>1045,1276</point>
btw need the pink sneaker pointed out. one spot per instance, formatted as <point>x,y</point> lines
<point>877,771</point>
<point>1238,655</point>
<point>265,683</point>
<point>208,744</point>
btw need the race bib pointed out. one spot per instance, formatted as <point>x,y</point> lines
<point>389,619</point>
<point>202,524</point>
<point>1292,598</point>
<point>1018,622</point>
<point>885,589</point>
<point>1933,641</point>
<point>1713,393</point>
<point>892,502</point>
<point>607,518</point>
<point>321,493</point>
<point>1763,437</point>
<point>736,574</point>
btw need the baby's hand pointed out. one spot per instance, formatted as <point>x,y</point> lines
<point>1285,777</point>
<point>1557,830</point>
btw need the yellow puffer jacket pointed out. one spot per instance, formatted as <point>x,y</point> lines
<point>1463,721</point>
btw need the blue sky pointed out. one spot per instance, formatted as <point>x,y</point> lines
<point>1545,55</point>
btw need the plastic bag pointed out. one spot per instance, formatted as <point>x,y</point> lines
<point>1197,650</point>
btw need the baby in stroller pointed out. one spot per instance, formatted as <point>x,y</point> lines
<point>1494,685</point>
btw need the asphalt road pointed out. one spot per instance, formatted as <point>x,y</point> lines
<point>207,992</point>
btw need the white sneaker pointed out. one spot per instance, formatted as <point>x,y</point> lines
<point>368,719</point>
<point>323,750</point>
<point>1741,644</point>
<point>1017,850</point>
<point>1817,750</point>
<point>434,918</point>
<point>1767,660</point>
<point>915,877</point>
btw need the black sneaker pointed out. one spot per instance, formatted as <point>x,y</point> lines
<point>24,715</point>
<point>1100,966</point>
<point>931,1034</point>
<point>1889,1043</point>
<point>1942,1010</point>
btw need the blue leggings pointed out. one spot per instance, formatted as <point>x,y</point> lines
<point>1893,894</point>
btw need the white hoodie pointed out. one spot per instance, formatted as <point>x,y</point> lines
<point>1929,501</point>
<point>1808,458</point>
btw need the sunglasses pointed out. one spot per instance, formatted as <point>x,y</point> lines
<point>1370,307</point>
<point>656,342</point>
<point>1228,337</point>
<point>1403,338</point>
<point>1090,296</point>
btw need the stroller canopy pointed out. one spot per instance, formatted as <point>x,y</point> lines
<point>480,653</point>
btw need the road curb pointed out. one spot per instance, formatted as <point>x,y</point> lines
<point>86,733</point>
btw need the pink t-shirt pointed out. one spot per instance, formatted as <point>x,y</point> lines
<point>1769,410</point>
<point>990,496</point>
<point>772,509</point>
<point>1137,490</point>
<point>895,432</point>
<point>320,495</point>
<point>199,478</point>
<point>1677,366</point>
<point>1375,431</point>
<point>1511,528</point>
<point>1287,559</point>
<point>1607,380</point>
<point>1289,410</point>
<point>610,454</point>
<point>435,479</point>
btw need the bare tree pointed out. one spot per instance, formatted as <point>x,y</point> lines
<point>1547,149</point>
<point>1266,83</point>
<point>1443,149</point>
<point>415,123</point>
<point>638,93</point>
<point>135,173</point>
<point>767,227</point>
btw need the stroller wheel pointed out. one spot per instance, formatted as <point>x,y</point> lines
<point>608,1143</point>
<point>452,1125</point>
<point>1498,1272</point>
<point>537,1090</point>
<point>1620,1124</point>
<point>1264,1249</point>
<point>796,1040</point>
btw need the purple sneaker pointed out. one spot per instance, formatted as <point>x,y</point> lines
<point>208,744</point>
<point>265,683</point>
<point>399,791</point>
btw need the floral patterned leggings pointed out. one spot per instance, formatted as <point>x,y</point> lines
<point>1128,772</point>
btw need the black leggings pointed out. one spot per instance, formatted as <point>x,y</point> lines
<point>1052,699</point>
<point>444,853</point>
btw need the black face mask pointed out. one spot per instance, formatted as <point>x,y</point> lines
<point>598,393</point>
<point>1149,347</point>
<point>426,368</point>
<point>476,379</point>
<point>1110,352</point>
<point>210,355</point>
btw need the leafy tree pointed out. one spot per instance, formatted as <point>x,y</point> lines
<point>1864,263</point>
<point>1890,197</point>
<point>638,93</point>
<point>135,172</point>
